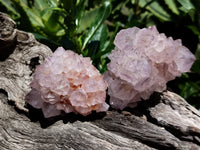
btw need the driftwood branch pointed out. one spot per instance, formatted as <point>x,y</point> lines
<point>166,121</point>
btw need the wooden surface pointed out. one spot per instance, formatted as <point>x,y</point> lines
<point>166,121</point>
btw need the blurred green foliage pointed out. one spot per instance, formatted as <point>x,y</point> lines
<point>89,26</point>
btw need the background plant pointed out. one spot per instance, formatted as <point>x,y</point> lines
<point>89,27</point>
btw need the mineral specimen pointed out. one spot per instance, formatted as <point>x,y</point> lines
<point>67,82</point>
<point>142,62</point>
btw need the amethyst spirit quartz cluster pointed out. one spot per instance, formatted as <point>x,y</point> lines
<point>142,62</point>
<point>67,82</point>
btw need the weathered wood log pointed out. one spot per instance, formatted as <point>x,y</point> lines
<point>165,121</point>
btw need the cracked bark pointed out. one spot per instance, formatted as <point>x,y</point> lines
<point>166,121</point>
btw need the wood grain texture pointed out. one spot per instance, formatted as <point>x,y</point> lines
<point>17,51</point>
<point>165,121</point>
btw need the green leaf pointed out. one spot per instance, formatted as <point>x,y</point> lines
<point>30,19</point>
<point>158,10</point>
<point>107,45</point>
<point>189,89</point>
<point>197,53</point>
<point>172,6</point>
<point>34,17</point>
<point>186,5</point>
<point>104,12</point>
<point>155,8</point>
<point>41,37</point>
<point>32,14</point>
<point>102,66</point>
<point>196,66</point>
<point>53,3</point>
<point>101,35</point>
<point>43,4</point>
<point>52,19</point>
<point>193,14</point>
<point>194,29</point>
<point>98,41</point>
<point>79,11</point>
<point>68,4</point>
<point>101,47</point>
<point>87,19</point>
<point>8,5</point>
<point>40,4</point>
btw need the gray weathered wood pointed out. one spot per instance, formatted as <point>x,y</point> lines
<point>166,121</point>
<point>15,71</point>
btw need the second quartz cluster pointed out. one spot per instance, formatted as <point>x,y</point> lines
<point>143,61</point>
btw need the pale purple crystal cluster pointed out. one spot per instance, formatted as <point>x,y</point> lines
<point>67,82</point>
<point>142,62</point>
